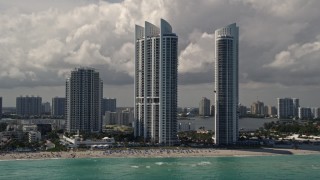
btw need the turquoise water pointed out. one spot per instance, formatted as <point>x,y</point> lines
<point>263,167</point>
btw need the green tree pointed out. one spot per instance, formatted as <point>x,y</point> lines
<point>3,126</point>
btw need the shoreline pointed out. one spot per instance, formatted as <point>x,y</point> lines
<point>156,153</point>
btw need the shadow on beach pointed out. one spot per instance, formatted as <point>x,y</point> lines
<point>269,150</point>
<point>286,149</point>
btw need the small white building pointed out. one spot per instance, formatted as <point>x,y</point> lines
<point>27,128</point>
<point>34,136</point>
<point>76,141</point>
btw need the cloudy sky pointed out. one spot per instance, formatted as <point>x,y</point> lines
<point>42,40</point>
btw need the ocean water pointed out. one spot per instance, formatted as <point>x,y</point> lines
<point>246,123</point>
<point>263,167</point>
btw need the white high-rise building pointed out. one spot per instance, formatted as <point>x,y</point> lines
<point>204,107</point>
<point>296,105</point>
<point>156,62</point>
<point>315,112</point>
<point>226,84</point>
<point>83,101</point>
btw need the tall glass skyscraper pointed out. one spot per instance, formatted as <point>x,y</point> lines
<point>226,84</point>
<point>83,101</point>
<point>156,62</point>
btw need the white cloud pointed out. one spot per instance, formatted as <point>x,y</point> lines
<point>298,57</point>
<point>198,56</point>
<point>88,54</point>
<point>46,41</point>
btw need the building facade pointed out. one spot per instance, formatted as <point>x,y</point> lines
<point>58,106</point>
<point>242,111</point>
<point>315,112</point>
<point>111,118</point>
<point>83,101</point>
<point>46,108</point>
<point>257,108</point>
<point>34,136</point>
<point>28,106</point>
<point>304,113</point>
<point>156,63</point>
<point>0,107</point>
<point>226,85</point>
<point>204,107</point>
<point>109,104</point>
<point>212,110</point>
<point>288,108</point>
<point>125,117</point>
<point>272,111</point>
<point>296,105</point>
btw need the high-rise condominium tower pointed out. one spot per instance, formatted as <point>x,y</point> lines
<point>226,84</point>
<point>28,106</point>
<point>156,62</point>
<point>108,104</point>
<point>288,108</point>
<point>58,106</point>
<point>204,107</point>
<point>83,101</point>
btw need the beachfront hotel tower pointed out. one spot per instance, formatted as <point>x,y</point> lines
<point>83,101</point>
<point>226,84</point>
<point>156,62</point>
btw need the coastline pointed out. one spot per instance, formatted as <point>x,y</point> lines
<point>157,153</point>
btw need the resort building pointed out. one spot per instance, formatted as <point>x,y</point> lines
<point>156,72</point>
<point>83,101</point>
<point>226,85</point>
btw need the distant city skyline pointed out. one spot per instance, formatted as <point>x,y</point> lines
<point>42,40</point>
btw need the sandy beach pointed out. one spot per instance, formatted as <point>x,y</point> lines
<point>159,152</point>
